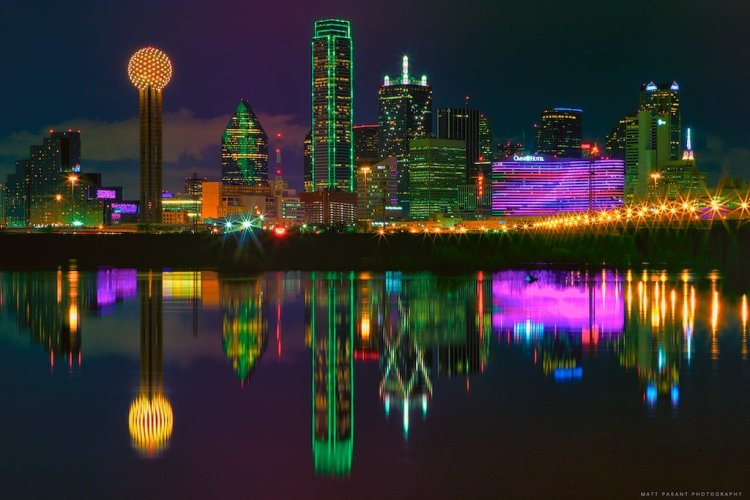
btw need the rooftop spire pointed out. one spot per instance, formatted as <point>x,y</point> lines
<point>405,71</point>
<point>688,153</point>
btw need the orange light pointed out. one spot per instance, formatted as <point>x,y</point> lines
<point>150,67</point>
<point>279,231</point>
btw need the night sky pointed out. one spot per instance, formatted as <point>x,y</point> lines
<point>65,67</point>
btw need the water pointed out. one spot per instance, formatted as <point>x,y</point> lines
<point>129,384</point>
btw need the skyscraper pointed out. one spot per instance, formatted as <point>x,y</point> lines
<point>486,139</point>
<point>150,71</point>
<point>332,101</point>
<point>462,124</point>
<point>194,186</point>
<point>560,133</point>
<point>663,101</point>
<point>436,168</point>
<point>365,144</point>
<point>405,113</point>
<point>307,166</point>
<point>244,149</point>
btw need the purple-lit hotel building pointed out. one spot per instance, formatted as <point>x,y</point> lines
<point>540,186</point>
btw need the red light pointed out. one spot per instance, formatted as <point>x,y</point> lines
<point>279,231</point>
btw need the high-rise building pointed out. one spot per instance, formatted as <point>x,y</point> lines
<point>366,144</point>
<point>244,149</point>
<point>332,105</point>
<point>664,99</point>
<point>16,196</point>
<point>508,149</point>
<point>537,186</point>
<point>327,207</point>
<point>376,190</point>
<point>436,168</point>
<point>560,133</point>
<point>150,71</point>
<point>307,166</point>
<point>486,139</point>
<point>2,205</point>
<point>194,185</point>
<point>405,113</point>
<point>679,178</point>
<point>461,124</point>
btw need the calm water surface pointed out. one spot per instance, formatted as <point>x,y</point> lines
<point>120,383</point>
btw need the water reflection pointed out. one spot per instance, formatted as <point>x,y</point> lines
<point>150,419</point>
<point>421,333</point>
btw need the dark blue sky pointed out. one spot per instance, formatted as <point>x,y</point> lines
<point>66,62</point>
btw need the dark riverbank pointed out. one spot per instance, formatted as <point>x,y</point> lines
<point>720,246</point>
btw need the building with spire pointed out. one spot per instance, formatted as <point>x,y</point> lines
<point>680,179</point>
<point>244,149</point>
<point>405,113</point>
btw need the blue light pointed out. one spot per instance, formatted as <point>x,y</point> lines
<point>651,394</point>
<point>675,393</point>
<point>574,110</point>
<point>565,374</point>
<point>674,86</point>
<point>651,87</point>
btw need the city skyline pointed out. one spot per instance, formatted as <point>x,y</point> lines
<point>605,91</point>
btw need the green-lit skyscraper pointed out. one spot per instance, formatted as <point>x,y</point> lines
<point>436,168</point>
<point>244,149</point>
<point>405,114</point>
<point>332,110</point>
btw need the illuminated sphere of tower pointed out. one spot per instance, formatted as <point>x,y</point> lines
<point>150,67</point>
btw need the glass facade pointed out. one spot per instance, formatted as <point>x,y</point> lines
<point>436,168</point>
<point>332,105</point>
<point>405,113</point>
<point>244,149</point>
<point>535,186</point>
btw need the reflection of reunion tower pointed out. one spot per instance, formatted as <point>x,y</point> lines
<point>150,419</point>
<point>150,70</point>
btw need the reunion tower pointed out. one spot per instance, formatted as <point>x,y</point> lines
<point>149,70</point>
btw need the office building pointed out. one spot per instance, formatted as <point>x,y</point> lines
<point>436,168</point>
<point>461,124</point>
<point>244,149</point>
<point>486,139</point>
<point>194,185</point>
<point>376,191</point>
<point>405,113</point>
<point>537,186</point>
<point>560,133</point>
<point>332,100</point>
<point>150,70</point>
<point>663,102</point>
<point>366,149</point>
<point>307,165</point>
<point>325,207</point>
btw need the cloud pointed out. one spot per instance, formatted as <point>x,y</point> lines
<point>186,137</point>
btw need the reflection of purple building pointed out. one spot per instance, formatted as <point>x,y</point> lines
<point>556,302</point>
<point>115,284</point>
<point>539,186</point>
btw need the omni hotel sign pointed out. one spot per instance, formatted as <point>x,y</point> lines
<point>528,158</point>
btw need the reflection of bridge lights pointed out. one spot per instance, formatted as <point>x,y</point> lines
<point>150,423</point>
<point>675,395</point>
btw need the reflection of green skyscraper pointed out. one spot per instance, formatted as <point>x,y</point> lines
<point>332,112</point>
<point>243,325</point>
<point>244,149</point>
<point>332,320</point>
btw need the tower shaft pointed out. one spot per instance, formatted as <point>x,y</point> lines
<point>150,105</point>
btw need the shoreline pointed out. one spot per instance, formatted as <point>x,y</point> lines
<point>718,247</point>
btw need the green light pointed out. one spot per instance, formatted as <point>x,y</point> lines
<point>77,223</point>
